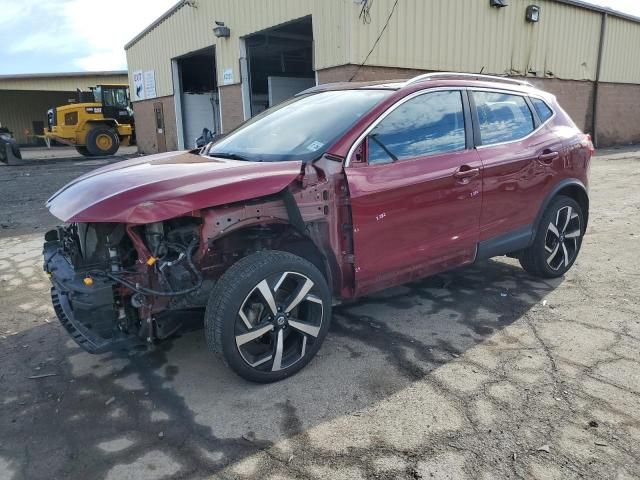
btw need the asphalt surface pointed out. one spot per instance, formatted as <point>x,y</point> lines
<point>484,372</point>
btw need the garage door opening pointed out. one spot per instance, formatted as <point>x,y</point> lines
<point>198,94</point>
<point>280,63</point>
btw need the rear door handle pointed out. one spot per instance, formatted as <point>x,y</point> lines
<point>548,157</point>
<point>466,173</point>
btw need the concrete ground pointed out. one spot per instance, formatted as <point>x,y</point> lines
<point>484,372</point>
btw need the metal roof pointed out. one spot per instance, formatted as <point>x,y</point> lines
<point>28,76</point>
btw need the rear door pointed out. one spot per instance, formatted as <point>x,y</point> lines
<point>415,189</point>
<point>518,153</point>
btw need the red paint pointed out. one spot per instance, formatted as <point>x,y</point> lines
<point>156,188</point>
<point>413,217</point>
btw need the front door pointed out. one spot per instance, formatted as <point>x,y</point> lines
<point>416,192</point>
<point>161,141</point>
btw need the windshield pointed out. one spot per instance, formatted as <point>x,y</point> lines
<point>302,128</point>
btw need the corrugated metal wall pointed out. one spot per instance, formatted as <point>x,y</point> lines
<point>460,35</point>
<point>467,35</point>
<point>59,83</point>
<point>19,109</point>
<point>621,57</point>
<point>190,29</point>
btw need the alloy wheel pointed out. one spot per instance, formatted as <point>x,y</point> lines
<point>278,321</point>
<point>563,238</point>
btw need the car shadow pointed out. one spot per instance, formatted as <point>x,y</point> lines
<point>178,409</point>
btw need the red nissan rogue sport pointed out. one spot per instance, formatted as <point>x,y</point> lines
<point>341,191</point>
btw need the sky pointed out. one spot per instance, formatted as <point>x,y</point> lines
<point>43,36</point>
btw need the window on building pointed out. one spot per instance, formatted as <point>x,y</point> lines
<point>542,109</point>
<point>502,117</point>
<point>429,124</point>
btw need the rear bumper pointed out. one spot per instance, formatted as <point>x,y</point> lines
<point>87,313</point>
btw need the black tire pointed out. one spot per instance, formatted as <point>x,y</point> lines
<point>84,151</point>
<point>102,141</point>
<point>557,241</point>
<point>286,276</point>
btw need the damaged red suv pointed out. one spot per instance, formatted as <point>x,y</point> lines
<point>341,191</point>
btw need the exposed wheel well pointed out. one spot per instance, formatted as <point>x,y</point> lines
<point>580,196</point>
<point>275,236</point>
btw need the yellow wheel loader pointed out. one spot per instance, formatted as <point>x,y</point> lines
<point>98,124</point>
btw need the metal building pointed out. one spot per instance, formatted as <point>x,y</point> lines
<point>215,63</point>
<point>25,99</point>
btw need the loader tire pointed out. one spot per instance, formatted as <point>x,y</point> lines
<point>102,141</point>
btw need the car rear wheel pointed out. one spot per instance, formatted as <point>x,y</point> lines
<point>268,315</point>
<point>558,240</point>
<point>102,141</point>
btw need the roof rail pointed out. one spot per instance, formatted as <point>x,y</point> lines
<point>476,76</point>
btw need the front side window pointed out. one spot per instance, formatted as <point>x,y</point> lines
<point>430,124</point>
<point>502,117</point>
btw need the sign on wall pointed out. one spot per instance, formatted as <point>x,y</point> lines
<point>150,84</point>
<point>138,85</point>
<point>144,85</point>
<point>227,76</point>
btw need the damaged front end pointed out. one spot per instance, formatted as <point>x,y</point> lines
<point>115,285</point>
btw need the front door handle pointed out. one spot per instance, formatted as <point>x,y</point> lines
<point>465,173</point>
<point>548,156</point>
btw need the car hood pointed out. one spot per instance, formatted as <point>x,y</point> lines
<point>158,187</point>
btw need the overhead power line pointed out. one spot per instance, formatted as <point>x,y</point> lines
<point>375,44</point>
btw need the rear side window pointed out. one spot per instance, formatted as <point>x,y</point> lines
<point>502,117</point>
<point>429,124</point>
<point>542,109</point>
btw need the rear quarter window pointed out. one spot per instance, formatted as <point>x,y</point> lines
<point>542,109</point>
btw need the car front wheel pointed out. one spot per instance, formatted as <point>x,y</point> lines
<point>557,241</point>
<point>268,315</point>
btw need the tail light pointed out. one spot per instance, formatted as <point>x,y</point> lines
<point>590,146</point>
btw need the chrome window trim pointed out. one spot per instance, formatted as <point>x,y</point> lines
<point>389,110</point>
<point>510,92</point>
<point>368,130</point>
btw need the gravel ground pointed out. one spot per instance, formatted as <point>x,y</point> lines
<point>484,372</point>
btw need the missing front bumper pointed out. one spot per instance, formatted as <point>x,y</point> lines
<point>88,314</point>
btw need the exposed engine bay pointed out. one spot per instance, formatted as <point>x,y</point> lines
<point>114,283</point>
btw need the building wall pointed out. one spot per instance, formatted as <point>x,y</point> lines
<point>618,114</point>
<point>189,29</point>
<point>560,53</point>
<point>461,35</point>
<point>59,82</point>
<point>469,36</point>
<point>19,109</point>
<point>146,124</point>
<point>231,107</point>
<point>620,59</point>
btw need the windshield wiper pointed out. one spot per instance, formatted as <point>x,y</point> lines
<point>383,147</point>
<point>230,156</point>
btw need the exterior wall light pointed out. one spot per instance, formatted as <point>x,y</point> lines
<point>498,3</point>
<point>533,14</point>
<point>220,30</point>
